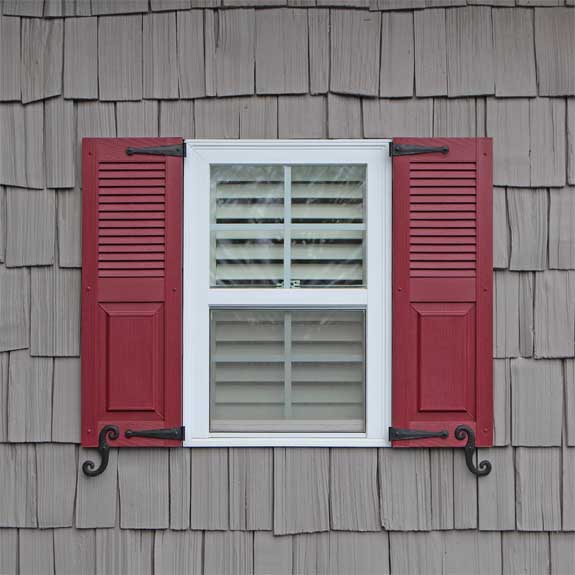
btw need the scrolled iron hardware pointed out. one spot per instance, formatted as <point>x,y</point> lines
<point>484,468</point>
<point>108,431</point>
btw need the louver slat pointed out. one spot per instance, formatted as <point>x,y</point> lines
<point>131,307</point>
<point>442,302</point>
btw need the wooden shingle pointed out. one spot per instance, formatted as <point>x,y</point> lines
<point>568,489</point>
<point>537,402</point>
<point>177,118</point>
<point>525,553</point>
<point>508,125</point>
<point>3,397</point>
<point>144,488</point>
<point>343,117</point>
<point>69,228</point>
<point>301,490</point>
<point>358,553</point>
<point>120,57</point>
<point>29,397</point>
<point>124,552</point>
<point>397,55</point>
<point>30,227</point>
<point>18,503</point>
<point>470,54</point>
<point>501,402</point>
<point>562,552</point>
<point>569,373</point>
<point>272,554</point>
<point>318,27</point>
<point>217,118</point>
<point>137,119</point>
<point>416,553</point>
<point>178,553</point>
<point>526,299</point>
<point>161,5</point>
<point>8,551</point>
<point>281,51</point>
<point>514,54</point>
<point>36,551</point>
<point>179,488</point>
<point>554,51</point>
<point>430,53</point>
<point>464,494</point>
<point>441,471</point>
<point>191,67</point>
<point>60,137</point>
<point>74,551</point>
<point>160,77</point>
<point>500,229</point>
<point>505,314</point>
<point>251,489</point>
<point>394,118</point>
<point>454,118</point>
<point>55,312</point>
<point>229,52</point>
<point>528,211</point>
<point>311,550</point>
<point>42,49</point>
<point>30,8</point>
<point>554,314</point>
<point>259,117</point>
<point>571,140</point>
<point>81,58</point>
<point>302,117</point>
<point>10,69</point>
<point>471,552</point>
<point>14,309</point>
<point>118,6</point>
<point>355,45</point>
<point>2,223</point>
<point>66,407</point>
<point>229,553</point>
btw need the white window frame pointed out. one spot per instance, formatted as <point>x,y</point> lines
<point>199,296</point>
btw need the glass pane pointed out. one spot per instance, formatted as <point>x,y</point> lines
<point>287,370</point>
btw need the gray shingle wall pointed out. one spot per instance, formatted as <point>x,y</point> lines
<point>290,69</point>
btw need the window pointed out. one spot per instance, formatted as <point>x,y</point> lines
<point>287,272</point>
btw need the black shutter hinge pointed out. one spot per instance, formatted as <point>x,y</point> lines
<point>176,433</point>
<point>178,150</point>
<point>397,434</point>
<point>413,149</point>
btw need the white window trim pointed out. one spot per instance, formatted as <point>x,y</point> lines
<point>198,296</point>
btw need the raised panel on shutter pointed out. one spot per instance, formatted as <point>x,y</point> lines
<point>442,290</point>
<point>132,280</point>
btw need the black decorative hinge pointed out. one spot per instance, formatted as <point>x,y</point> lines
<point>397,434</point>
<point>413,149</point>
<point>176,433</point>
<point>484,467</point>
<point>178,150</point>
<point>89,467</point>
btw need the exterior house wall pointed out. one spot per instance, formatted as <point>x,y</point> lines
<point>287,69</point>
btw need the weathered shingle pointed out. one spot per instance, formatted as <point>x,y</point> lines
<point>31,227</point>
<point>251,488</point>
<point>229,52</point>
<point>18,503</point>
<point>158,5</point>
<point>60,134</point>
<point>571,140</point>
<point>9,551</point>
<point>118,6</point>
<point>394,118</point>
<point>259,117</point>
<point>554,314</point>
<point>217,118</point>
<point>4,359</point>
<point>500,229</point>
<point>355,45</point>
<point>311,553</point>
<point>547,127</point>
<point>272,554</point>
<point>10,58</point>
<point>318,26</point>
<point>416,553</point>
<point>397,55</point>
<point>569,373</point>
<point>137,119</point>
<point>29,397</point>
<point>281,51</point>
<point>191,65</point>
<point>343,117</point>
<point>160,77</point>
<point>56,468</point>
<point>464,494</point>
<point>36,551</point>
<point>528,211</point>
<point>396,4</point>
<point>96,496</point>
<point>2,223</point>
<point>120,57</point>
<point>14,309</point>
<point>454,118</point>
<point>554,51</point>
<point>22,150</point>
<point>81,58</point>
<point>441,473</point>
<point>74,551</point>
<point>179,488</point>
<point>66,400</point>
<point>537,402</point>
<point>354,499</point>
<point>506,314</point>
<point>538,489</point>
<point>430,53</point>
<point>405,489</point>
<point>526,299</point>
<point>124,552</point>
<point>470,54</point>
<point>562,552</point>
<point>501,402</point>
<point>42,49</point>
<point>69,228</point>
<point>178,553</point>
<point>228,553</point>
<point>143,480</point>
<point>471,552</point>
<point>29,8</point>
<point>514,54</point>
<point>302,117</point>
<point>508,125</point>
<point>301,490</point>
<point>496,491</point>
<point>177,118</point>
<point>358,553</point>
<point>209,495</point>
<point>568,489</point>
<point>55,317</point>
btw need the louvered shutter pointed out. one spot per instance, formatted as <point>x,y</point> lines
<point>131,283</point>
<point>442,290</point>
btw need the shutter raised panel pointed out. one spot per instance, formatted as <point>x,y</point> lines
<point>442,291</point>
<point>131,301</point>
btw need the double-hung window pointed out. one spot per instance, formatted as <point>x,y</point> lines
<point>287,304</point>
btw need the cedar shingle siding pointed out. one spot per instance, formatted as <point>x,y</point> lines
<point>289,69</point>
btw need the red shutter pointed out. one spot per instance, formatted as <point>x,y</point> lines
<point>131,290</point>
<point>442,290</point>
